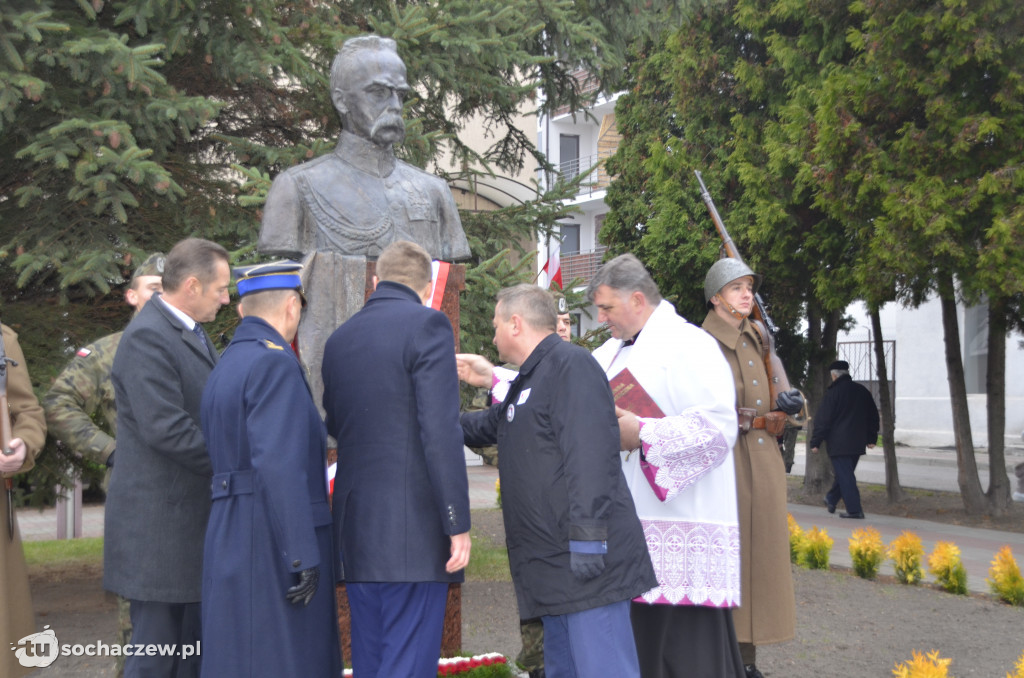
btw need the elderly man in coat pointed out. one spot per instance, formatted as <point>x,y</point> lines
<point>848,421</point>
<point>159,497</point>
<point>268,573</point>
<point>576,548</point>
<point>768,612</point>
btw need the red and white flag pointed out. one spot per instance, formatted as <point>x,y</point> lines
<point>439,277</point>
<point>553,266</point>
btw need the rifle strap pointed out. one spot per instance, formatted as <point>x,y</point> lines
<point>762,334</point>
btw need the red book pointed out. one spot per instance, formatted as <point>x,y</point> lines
<point>631,396</point>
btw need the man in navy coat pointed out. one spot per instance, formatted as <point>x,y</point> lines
<point>268,575</point>
<point>159,497</point>
<point>401,496</point>
<point>848,421</point>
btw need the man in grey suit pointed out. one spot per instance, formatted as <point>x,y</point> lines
<point>159,497</point>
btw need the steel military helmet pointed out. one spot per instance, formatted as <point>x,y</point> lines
<point>724,271</point>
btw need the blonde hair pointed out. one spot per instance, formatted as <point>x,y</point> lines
<point>406,263</point>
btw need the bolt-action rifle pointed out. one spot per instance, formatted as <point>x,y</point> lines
<point>777,379</point>
<point>6,434</point>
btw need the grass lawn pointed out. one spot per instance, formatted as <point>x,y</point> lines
<point>53,555</point>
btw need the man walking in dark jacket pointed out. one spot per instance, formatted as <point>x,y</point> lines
<point>848,421</point>
<point>576,547</point>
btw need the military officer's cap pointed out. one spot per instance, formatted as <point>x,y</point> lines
<point>274,275</point>
<point>153,265</point>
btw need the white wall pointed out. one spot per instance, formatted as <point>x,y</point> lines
<point>923,411</point>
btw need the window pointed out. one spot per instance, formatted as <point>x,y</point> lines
<point>569,155</point>
<point>570,239</point>
<point>976,347</point>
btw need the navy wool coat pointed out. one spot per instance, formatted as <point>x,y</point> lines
<point>159,497</point>
<point>270,517</point>
<point>561,479</point>
<point>391,395</point>
<point>847,419</point>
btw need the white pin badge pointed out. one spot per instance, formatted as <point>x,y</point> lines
<point>511,413</point>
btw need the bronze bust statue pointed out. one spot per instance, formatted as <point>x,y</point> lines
<point>335,211</point>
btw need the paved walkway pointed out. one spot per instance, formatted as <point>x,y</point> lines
<point>919,467</point>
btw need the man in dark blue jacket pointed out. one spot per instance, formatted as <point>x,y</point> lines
<point>576,548</point>
<point>268,567</point>
<point>848,421</point>
<point>401,495</point>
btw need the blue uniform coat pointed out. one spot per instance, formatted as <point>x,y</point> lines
<point>391,395</point>
<point>270,518</point>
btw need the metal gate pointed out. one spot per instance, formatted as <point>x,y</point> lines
<point>863,364</point>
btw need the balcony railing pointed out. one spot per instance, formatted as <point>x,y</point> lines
<point>597,178</point>
<point>588,84</point>
<point>581,265</point>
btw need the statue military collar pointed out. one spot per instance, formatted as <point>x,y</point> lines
<point>365,155</point>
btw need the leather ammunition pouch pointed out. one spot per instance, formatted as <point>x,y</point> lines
<point>773,423</point>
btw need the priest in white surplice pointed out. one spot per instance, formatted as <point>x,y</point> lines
<point>684,482</point>
<point>680,470</point>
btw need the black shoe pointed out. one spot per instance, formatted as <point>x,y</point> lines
<point>831,507</point>
<point>844,514</point>
<point>752,671</point>
<point>537,673</point>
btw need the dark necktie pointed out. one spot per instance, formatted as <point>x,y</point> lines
<point>198,331</point>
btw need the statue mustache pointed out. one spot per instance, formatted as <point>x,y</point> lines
<point>388,121</point>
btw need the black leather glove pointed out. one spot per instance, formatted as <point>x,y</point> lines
<point>586,566</point>
<point>304,590</point>
<point>790,401</point>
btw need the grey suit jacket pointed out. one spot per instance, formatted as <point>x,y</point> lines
<point>159,497</point>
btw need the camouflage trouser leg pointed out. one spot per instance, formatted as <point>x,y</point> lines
<point>531,657</point>
<point>124,631</point>
<point>789,446</point>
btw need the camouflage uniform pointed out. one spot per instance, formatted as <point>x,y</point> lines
<point>531,656</point>
<point>481,401</point>
<point>80,404</point>
<point>80,412</point>
<point>787,444</point>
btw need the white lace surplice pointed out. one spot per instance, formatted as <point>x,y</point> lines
<point>696,562</point>
<point>690,521</point>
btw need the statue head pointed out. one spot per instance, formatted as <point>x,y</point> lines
<point>368,87</point>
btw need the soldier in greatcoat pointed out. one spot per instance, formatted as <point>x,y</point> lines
<point>768,610</point>
<point>28,430</point>
<point>268,578</point>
